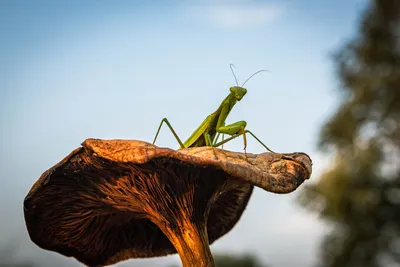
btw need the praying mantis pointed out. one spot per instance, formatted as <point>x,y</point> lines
<point>207,134</point>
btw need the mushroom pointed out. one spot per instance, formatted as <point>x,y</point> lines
<point>112,200</point>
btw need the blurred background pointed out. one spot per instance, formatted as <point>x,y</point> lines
<point>71,70</point>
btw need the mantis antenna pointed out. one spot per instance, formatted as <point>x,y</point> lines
<point>231,65</point>
<point>252,76</point>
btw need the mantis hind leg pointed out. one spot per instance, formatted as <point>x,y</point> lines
<point>209,142</point>
<point>172,130</point>
<point>243,133</point>
<point>217,137</point>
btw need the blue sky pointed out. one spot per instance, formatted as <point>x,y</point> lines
<point>71,70</point>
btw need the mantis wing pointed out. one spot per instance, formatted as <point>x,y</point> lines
<point>199,133</point>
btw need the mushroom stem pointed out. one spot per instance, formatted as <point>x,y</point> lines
<point>191,242</point>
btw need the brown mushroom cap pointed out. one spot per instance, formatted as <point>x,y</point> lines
<point>108,201</point>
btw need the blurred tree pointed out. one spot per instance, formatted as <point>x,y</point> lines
<point>228,260</point>
<point>360,193</point>
<point>7,257</point>
<point>23,264</point>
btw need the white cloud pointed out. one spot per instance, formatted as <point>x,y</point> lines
<point>239,15</point>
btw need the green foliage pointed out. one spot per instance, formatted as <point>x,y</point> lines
<point>229,260</point>
<point>360,193</point>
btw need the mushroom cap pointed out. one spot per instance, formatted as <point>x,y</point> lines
<point>92,204</point>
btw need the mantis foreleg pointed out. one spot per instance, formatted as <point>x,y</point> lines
<point>234,129</point>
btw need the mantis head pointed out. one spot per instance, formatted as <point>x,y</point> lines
<point>238,92</point>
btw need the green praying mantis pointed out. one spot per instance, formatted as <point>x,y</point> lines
<point>209,131</point>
